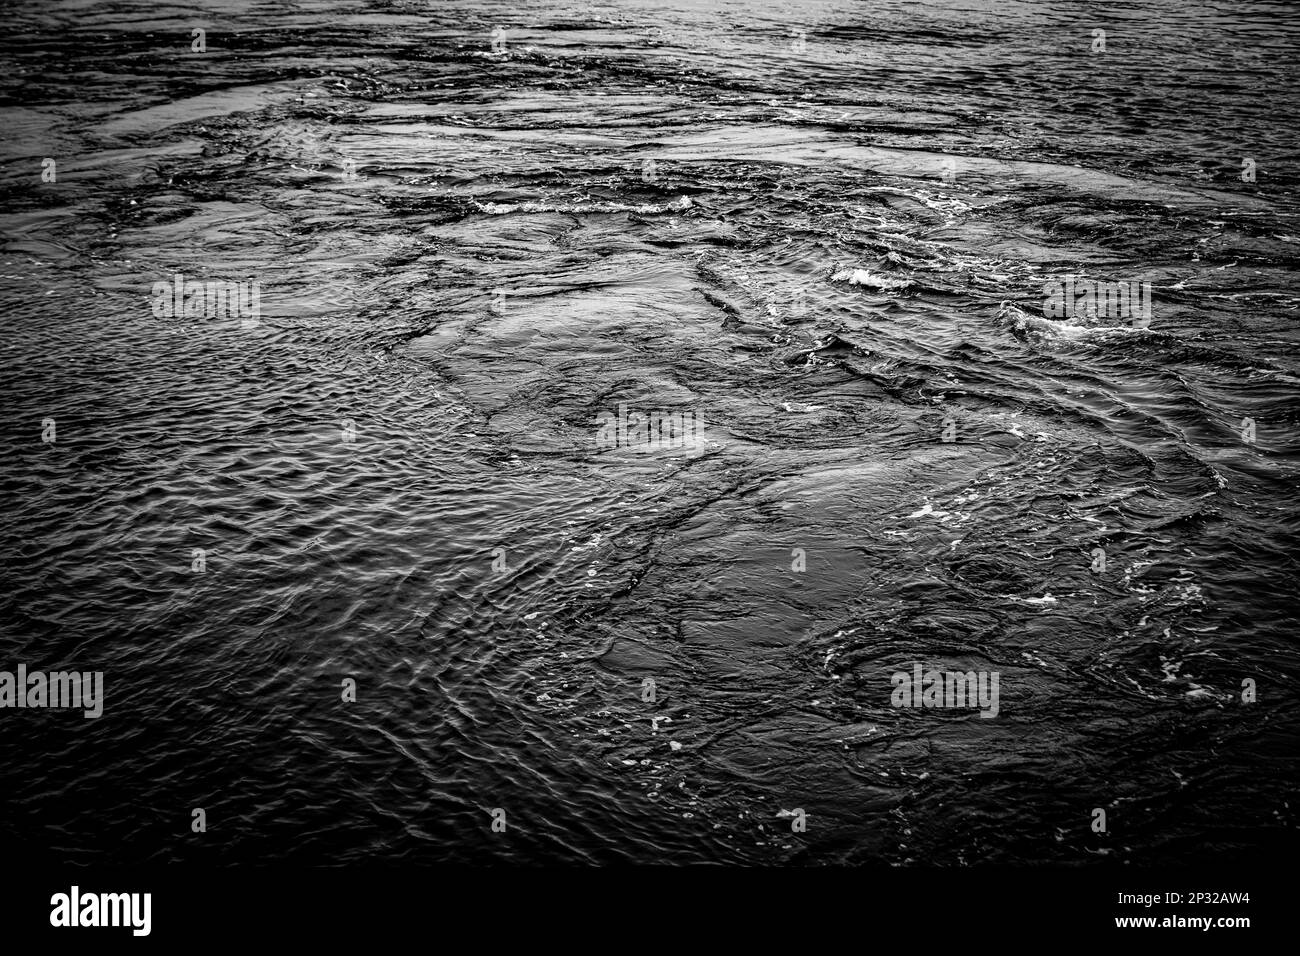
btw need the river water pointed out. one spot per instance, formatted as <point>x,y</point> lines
<point>824,230</point>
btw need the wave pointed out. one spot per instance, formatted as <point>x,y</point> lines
<point>872,280</point>
<point>681,204</point>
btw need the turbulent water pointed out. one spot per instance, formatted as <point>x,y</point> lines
<point>824,230</point>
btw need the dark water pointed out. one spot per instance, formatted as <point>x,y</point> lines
<point>958,155</point>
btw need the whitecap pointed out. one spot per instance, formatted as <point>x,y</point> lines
<point>863,277</point>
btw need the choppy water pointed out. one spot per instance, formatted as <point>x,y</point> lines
<point>464,259</point>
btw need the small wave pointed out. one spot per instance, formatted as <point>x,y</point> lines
<point>943,202</point>
<point>1027,325</point>
<point>863,277</point>
<point>501,209</point>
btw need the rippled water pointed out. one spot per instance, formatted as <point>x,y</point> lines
<point>464,258</point>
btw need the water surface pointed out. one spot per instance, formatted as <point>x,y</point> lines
<point>464,258</point>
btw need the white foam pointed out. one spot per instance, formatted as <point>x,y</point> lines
<point>863,277</point>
